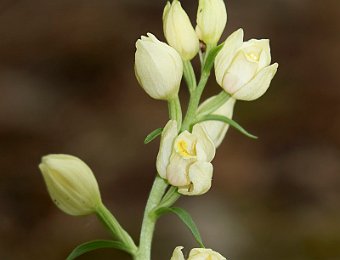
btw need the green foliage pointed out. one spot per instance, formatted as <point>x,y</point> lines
<point>185,217</point>
<point>155,133</point>
<point>227,121</point>
<point>93,245</point>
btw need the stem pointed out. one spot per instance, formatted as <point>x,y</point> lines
<point>115,228</point>
<point>158,188</point>
<point>194,101</point>
<point>197,93</point>
<point>189,76</point>
<point>175,111</point>
<point>170,197</point>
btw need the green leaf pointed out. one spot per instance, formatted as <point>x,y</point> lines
<point>228,121</point>
<point>93,245</point>
<point>153,135</point>
<point>185,217</point>
<point>209,61</point>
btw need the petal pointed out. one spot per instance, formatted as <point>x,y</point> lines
<point>226,55</point>
<point>185,145</point>
<point>167,139</point>
<point>178,30</point>
<point>158,67</point>
<point>204,253</point>
<point>177,170</point>
<point>257,86</point>
<point>177,254</point>
<point>239,73</point>
<point>200,175</point>
<point>205,148</point>
<point>261,48</point>
<point>215,129</point>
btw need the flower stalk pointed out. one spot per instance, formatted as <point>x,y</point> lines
<point>148,225</point>
<point>111,223</point>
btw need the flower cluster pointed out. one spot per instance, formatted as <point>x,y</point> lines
<point>188,143</point>
<point>242,69</point>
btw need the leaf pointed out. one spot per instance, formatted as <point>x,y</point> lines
<point>228,121</point>
<point>209,61</point>
<point>153,135</point>
<point>93,245</point>
<point>185,217</point>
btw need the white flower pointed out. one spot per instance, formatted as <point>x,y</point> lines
<point>216,129</point>
<point>242,68</point>
<point>158,68</point>
<point>71,184</point>
<point>197,254</point>
<point>211,20</point>
<point>184,160</point>
<point>178,30</point>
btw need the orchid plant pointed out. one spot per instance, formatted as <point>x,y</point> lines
<point>187,143</point>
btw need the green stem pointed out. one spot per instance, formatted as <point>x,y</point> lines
<point>115,228</point>
<point>170,197</point>
<point>175,111</point>
<point>189,76</point>
<point>194,101</point>
<point>158,188</point>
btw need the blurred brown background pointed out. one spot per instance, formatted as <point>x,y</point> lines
<point>67,86</point>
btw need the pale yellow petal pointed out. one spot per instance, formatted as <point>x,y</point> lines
<point>216,129</point>
<point>226,55</point>
<point>177,170</point>
<point>205,148</point>
<point>204,254</point>
<point>200,175</point>
<point>166,145</point>
<point>177,254</point>
<point>257,86</point>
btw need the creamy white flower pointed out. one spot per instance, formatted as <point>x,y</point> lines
<point>211,20</point>
<point>178,30</point>
<point>158,68</point>
<point>184,160</point>
<point>197,254</point>
<point>216,129</point>
<point>71,184</point>
<point>243,69</point>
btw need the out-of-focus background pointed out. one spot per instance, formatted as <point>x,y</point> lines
<point>67,85</point>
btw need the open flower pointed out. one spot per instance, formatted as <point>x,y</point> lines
<point>158,68</point>
<point>71,184</point>
<point>217,129</point>
<point>243,69</point>
<point>184,159</point>
<point>211,20</point>
<point>178,30</point>
<point>197,254</point>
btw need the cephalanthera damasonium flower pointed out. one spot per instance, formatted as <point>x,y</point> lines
<point>178,30</point>
<point>71,184</point>
<point>197,254</point>
<point>216,129</point>
<point>243,69</point>
<point>211,20</point>
<point>158,68</point>
<point>184,159</point>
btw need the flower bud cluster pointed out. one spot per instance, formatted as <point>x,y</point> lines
<point>242,69</point>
